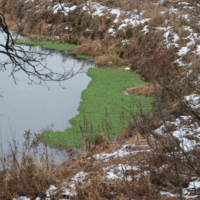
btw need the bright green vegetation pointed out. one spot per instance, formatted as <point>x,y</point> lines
<point>48,44</point>
<point>105,108</point>
<point>84,56</point>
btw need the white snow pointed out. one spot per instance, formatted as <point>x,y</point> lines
<point>116,12</point>
<point>134,22</point>
<point>80,176</point>
<point>186,16</point>
<point>22,198</point>
<point>51,191</point>
<point>99,12</point>
<point>116,172</point>
<point>180,62</point>
<point>124,42</point>
<point>183,3</point>
<point>193,100</point>
<point>66,9</point>
<point>176,195</point>
<point>194,185</point>
<point>183,51</point>
<point>127,69</point>
<point>197,51</point>
<point>176,37</point>
<point>145,29</point>
<point>168,194</point>
<point>173,10</point>
<point>125,92</point>
<point>29,0</point>
<point>112,31</point>
<point>120,153</point>
<point>56,38</point>
<point>182,131</point>
<point>168,32</point>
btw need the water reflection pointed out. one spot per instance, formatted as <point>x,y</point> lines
<point>27,106</point>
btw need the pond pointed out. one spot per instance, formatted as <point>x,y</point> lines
<point>26,106</point>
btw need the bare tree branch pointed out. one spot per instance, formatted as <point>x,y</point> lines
<point>27,61</point>
<point>159,105</point>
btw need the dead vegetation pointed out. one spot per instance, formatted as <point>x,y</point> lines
<point>146,90</point>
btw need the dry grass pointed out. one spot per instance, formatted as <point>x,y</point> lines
<point>96,48</point>
<point>160,57</point>
<point>108,60</point>
<point>146,90</point>
<point>28,177</point>
<point>93,48</point>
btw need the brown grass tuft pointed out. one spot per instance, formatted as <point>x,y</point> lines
<point>108,60</point>
<point>93,48</point>
<point>146,90</point>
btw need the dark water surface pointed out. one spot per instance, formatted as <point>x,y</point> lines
<point>24,106</point>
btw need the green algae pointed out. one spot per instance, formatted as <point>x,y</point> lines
<point>104,109</point>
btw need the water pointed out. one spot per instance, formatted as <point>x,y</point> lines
<point>26,106</point>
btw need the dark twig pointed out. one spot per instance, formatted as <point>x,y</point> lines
<point>159,105</point>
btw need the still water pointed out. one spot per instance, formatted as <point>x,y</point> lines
<point>26,106</point>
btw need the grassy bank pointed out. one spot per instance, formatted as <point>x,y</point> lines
<point>54,46</point>
<point>104,109</point>
<point>84,56</point>
<point>49,45</point>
